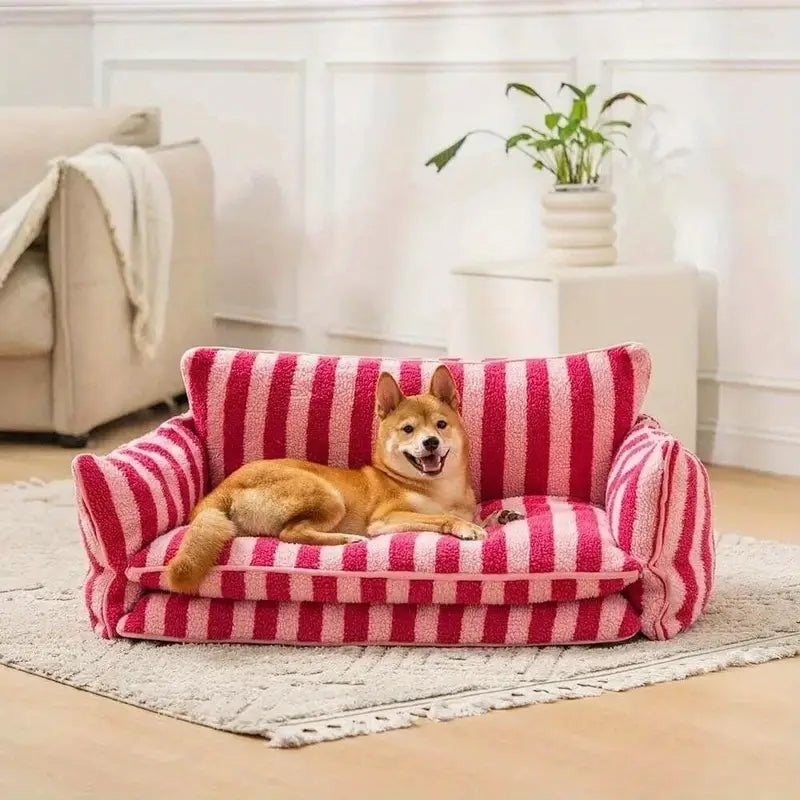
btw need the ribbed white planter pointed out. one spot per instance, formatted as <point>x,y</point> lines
<point>578,224</point>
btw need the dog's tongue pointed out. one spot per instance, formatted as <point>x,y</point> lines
<point>431,463</point>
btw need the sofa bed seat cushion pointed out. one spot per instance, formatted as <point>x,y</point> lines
<point>561,550</point>
<point>171,617</point>
<point>26,308</point>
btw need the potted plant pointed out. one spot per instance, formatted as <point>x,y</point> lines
<point>578,216</point>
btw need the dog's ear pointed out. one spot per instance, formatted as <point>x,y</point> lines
<point>387,395</point>
<point>443,387</point>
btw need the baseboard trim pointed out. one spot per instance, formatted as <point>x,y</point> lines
<point>776,451</point>
<point>749,381</point>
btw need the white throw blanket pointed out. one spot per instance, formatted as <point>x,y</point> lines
<point>138,210</point>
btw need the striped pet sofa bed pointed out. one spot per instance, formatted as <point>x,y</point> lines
<point>616,537</point>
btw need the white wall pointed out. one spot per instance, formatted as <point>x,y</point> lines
<point>45,55</point>
<point>334,237</point>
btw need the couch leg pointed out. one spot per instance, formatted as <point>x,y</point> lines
<point>172,403</point>
<point>73,442</point>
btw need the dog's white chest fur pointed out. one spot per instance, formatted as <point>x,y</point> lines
<point>423,504</point>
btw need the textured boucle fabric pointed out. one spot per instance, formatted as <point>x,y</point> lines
<point>168,617</point>
<point>545,426</point>
<point>127,499</point>
<point>562,550</point>
<point>616,537</point>
<point>659,503</point>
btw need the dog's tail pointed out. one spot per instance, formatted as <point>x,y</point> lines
<point>209,531</point>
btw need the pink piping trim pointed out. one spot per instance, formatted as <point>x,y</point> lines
<point>666,489</point>
<point>437,577</point>
<point>104,601</point>
<point>638,347</point>
<point>100,545</point>
<point>92,543</point>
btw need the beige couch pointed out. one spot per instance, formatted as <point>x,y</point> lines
<point>67,358</point>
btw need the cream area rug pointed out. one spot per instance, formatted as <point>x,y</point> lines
<point>299,696</point>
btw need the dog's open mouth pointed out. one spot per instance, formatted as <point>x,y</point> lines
<point>427,465</point>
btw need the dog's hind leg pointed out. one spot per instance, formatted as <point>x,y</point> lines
<point>300,508</point>
<point>316,521</point>
<point>309,533</point>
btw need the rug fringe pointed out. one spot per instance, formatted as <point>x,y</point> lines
<point>445,709</point>
<point>356,725</point>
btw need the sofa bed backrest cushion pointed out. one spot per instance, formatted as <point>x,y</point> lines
<point>536,426</point>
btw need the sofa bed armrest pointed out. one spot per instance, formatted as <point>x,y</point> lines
<point>659,508</point>
<point>140,491</point>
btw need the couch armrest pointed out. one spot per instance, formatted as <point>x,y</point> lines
<point>98,374</point>
<point>128,498</point>
<point>142,489</point>
<point>659,508</point>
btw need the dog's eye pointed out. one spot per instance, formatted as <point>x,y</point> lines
<point>408,428</point>
<point>441,424</point>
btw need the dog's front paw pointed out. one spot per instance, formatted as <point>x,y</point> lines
<point>467,531</point>
<point>506,516</point>
<point>501,517</point>
<point>351,538</point>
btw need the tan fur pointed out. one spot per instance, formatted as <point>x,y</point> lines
<point>306,503</point>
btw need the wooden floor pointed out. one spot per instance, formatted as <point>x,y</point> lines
<point>728,735</point>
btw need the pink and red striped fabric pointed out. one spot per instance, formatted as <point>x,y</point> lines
<point>127,499</point>
<point>632,548</point>
<point>536,427</point>
<point>659,505</point>
<point>562,550</point>
<point>169,617</point>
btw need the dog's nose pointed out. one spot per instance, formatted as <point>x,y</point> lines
<point>431,443</point>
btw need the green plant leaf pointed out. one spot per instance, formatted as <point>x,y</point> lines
<point>547,144</point>
<point>592,136</point>
<point>615,123</point>
<point>551,120</point>
<point>442,159</point>
<point>609,101</point>
<point>568,130</point>
<point>579,110</point>
<point>540,165</point>
<point>525,89</point>
<point>534,130</point>
<point>589,91</point>
<point>514,140</point>
<point>579,93</point>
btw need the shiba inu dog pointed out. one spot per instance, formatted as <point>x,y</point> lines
<point>418,481</point>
